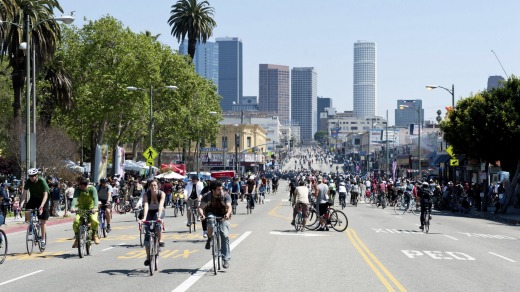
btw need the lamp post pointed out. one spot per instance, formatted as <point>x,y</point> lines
<point>401,107</point>
<point>452,92</point>
<point>133,88</point>
<point>68,19</point>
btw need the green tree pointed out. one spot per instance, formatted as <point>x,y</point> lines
<point>320,136</point>
<point>193,19</point>
<point>486,126</point>
<point>45,37</point>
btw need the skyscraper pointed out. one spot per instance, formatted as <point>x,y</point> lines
<point>494,81</point>
<point>323,102</point>
<point>304,100</point>
<point>365,79</point>
<point>274,91</point>
<point>205,59</point>
<point>406,116</point>
<point>229,71</point>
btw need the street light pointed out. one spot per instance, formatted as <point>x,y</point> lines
<point>452,92</point>
<point>133,88</point>
<point>68,19</point>
<point>401,107</point>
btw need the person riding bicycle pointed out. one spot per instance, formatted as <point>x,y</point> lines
<point>104,191</point>
<point>153,205</point>
<point>426,195</point>
<point>235,190</point>
<point>342,192</point>
<point>39,191</point>
<point>332,189</point>
<point>301,200</point>
<point>85,198</point>
<point>192,194</point>
<point>354,193</point>
<point>274,182</point>
<point>250,191</point>
<point>217,204</point>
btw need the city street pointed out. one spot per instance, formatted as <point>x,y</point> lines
<point>379,251</point>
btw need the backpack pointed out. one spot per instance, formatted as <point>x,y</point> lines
<point>426,194</point>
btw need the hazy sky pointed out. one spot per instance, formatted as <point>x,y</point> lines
<point>419,42</point>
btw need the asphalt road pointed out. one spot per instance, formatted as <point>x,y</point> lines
<point>379,251</point>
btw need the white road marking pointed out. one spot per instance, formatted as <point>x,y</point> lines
<point>267,200</point>
<point>450,237</point>
<point>285,200</point>
<point>297,234</point>
<point>112,246</point>
<point>207,267</point>
<point>502,257</point>
<point>21,277</point>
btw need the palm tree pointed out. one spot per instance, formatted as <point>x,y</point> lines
<point>59,90</point>
<point>45,37</point>
<point>188,17</point>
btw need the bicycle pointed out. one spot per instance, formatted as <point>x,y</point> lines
<point>354,198</point>
<point>142,233</point>
<point>193,216</point>
<point>342,200</point>
<point>33,236</point>
<point>405,205</point>
<point>261,197</point>
<point>3,246</point>
<point>426,220</point>
<point>153,243</point>
<point>102,227</point>
<point>85,233</point>
<point>333,218</point>
<point>249,201</point>
<point>234,203</point>
<point>178,204</point>
<point>215,242</point>
<point>298,220</point>
<point>368,196</point>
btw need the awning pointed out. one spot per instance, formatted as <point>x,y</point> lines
<point>441,158</point>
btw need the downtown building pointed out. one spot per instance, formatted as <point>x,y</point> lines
<point>229,71</point>
<point>408,116</point>
<point>205,59</point>
<point>365,79</point>
<point>274,96</point>
<point>304,101</point>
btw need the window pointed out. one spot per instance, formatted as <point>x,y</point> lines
<point>224,142</point>
<point>248,142</point>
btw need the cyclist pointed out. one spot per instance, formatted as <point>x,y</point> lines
<point>192,192</point>
<point>104,191</point>
<point>332,190</point>
<point>153,200</point>
<point>86,198</point>
<point>275,184</point>
<point>426,195</point>
<point>301,200</point>
<point>39,191</point>
<point>250,191</point>
<point>217,204</point>
<point>235,190</point>
<point>342,192</point>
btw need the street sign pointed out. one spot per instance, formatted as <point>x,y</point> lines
<point>150,154</point>
<point>454,162</point>
<point>149,162</point>
<point>449,150</point>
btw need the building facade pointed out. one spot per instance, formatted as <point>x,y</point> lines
<point>323,102</point>
<point>304,101</point>
<point>494,81</point>
<point>407,116</point>
<point>365,79</point>
<point>229,71</point>
<point>274,96</point>
<point>205,59</point>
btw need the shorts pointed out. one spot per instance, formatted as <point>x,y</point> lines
<point>32,204</point>
<point>323,208</point>
<point>305,209</point>
<point>103,205</point>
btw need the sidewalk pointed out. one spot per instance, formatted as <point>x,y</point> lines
<point>16,225</point>
<point>511,217</point>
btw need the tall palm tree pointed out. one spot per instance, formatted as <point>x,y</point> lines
<point>193,19</point>
<point>45,37</point>
<point>59,91</point>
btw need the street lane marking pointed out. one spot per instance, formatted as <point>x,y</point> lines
<point>437,255</point>
<point>275,214</point>
<point>112,246</point>
<point>488,235</point>
<point>21,277</point>
<point>297,234</point>
<point>207,267</point>
<point>364,251</point>
<point>450,237</point>
<point>502,257</point>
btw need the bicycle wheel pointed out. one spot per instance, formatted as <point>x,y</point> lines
<point>338,221</point>
<point>3,246</point>
<point>29,239</point>
<point>182,209</point>
<point>82,238</point>
<point>193,221</point>
<point>141,235</point>
<point>413,207</point>
<point>298,221</point>
<point>399,208</point>
<point>312,220</point>
<point>426,222</point>
<point>151,256</point>
<point>175,211</point>
<point>218,248</point>
<point>214,254</point>
<point>88,243</point>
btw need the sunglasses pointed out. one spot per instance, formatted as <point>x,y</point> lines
<point>32,176</point>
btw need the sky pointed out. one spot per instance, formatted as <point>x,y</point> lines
<point>418,42</point>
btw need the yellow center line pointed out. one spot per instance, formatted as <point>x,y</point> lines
<point>369,262</point>
<point>275,214</point>
<point>373,262</point>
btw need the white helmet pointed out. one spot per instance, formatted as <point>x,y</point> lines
<point>32,171</point>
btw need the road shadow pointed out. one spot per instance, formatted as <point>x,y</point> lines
<point>183,271</point>
<point>129,273</point>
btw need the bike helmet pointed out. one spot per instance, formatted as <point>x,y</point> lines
<point>32,171</point>
<point>102,180</point>
<point>425,185</point>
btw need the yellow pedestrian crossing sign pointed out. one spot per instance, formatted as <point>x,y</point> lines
<point>149,162</point>
<point>454,162</point>
<point>449,150</point>
<point>150,154</point>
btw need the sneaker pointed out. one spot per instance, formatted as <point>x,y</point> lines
<point>326,228</point>
<point>75,244</point>
<point>319,229</point>
<point>161,243</point>
<point>208,242</point>
<point>205,234</point>
<point>421,227</point>
<point>292,222</point>
<point>225,264</point>
<point>146,262</point>
<point>188,224</point>
<point>96,239</point>
<point>430,217</point>
<point>43,244</point>
<point>108,228</point>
